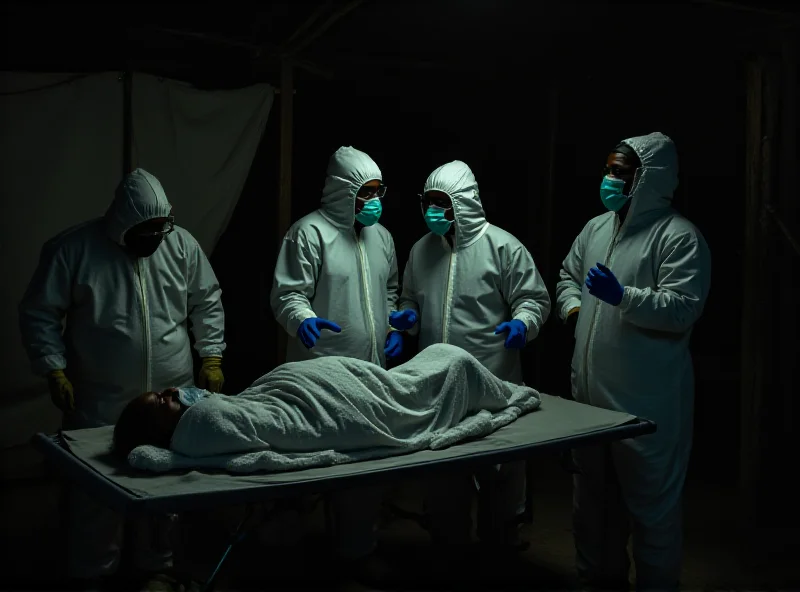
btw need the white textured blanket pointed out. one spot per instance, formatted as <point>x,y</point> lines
<point>336,410</point>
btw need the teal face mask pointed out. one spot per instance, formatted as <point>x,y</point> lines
<point>371,212</point>
<point>438,224</point>
<point>611,193</point>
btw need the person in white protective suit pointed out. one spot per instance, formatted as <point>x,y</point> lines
<point>335,284</point>
<point>476,286</point>
<point>126,284</point>
<point>634,284</point>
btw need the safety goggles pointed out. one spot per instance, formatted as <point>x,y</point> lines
<point>169,226</point>
<point>437,202</point>
<point>366,193</point>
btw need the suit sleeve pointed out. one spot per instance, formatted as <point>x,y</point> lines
<point>571,276</point>
<point>675,304</point>
<point>408,297</point>
<point>525,291</point>
<point>392,283</point>
<point>205,304</point>
<point>42,310</point>
<point>294,283</point>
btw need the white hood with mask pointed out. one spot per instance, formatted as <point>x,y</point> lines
<point>326,269</point>
<point>126,317</point>
<point>464,290</point>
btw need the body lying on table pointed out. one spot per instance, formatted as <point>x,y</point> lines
<point>321,412</point>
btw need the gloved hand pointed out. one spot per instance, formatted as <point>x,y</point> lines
<point>61,391</point>
<point>309,330</point>
<point>402,320</point>
<point>517,331</point>
<point>210,376</point>
<point>603,284</point>
<point>394,344</point>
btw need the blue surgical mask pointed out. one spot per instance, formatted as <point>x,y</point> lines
<point>438,224</point>
<point>611,192</point>
<point>189,395</point>
<point>371,212</point>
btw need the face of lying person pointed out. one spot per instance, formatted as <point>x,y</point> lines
<point>165,408</point>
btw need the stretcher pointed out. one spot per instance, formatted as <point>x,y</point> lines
<point>83,457</point>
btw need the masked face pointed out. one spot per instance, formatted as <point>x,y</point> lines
<point>617,181</point>
<point>436,220</point>
<point>370,212</point>
<point>437,208</point>
<point>144,239</point>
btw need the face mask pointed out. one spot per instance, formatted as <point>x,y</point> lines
<point>438,224</point>
<point>371,212</point>
<point>189,395</point>
<point>143,246</point>
<point>611,193</point>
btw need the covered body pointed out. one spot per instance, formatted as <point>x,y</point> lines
<point>338,409</point>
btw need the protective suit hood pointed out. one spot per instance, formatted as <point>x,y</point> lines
<point>139,198</point>
<point>348,170</point>
<point>657,178</point>
<point>457,180</point>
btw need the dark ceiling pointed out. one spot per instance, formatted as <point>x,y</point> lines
<point>237,43</point>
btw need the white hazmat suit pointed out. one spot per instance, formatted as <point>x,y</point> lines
<point>326,269</point>
<point>462,290</point>
<point>125,333</point>
<point>635,358</point>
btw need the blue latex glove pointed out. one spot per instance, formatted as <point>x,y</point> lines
<point>309,330</point>
<point>517,332</point>
<point>402,320</point>
<point>394,344</point>
<point>603,284</point>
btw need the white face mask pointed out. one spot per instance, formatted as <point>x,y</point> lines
<point>189,395</point>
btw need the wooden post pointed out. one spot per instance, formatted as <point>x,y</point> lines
<point>788,210</point>
<point>284,213</point>
<point>127,123</point>
<point>751,360</point>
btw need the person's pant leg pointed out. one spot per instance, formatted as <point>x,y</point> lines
<point>448,505</point>
<point>600,522</point>
<point>356,513</point>
<point>653,496</point>
<point>501,502</point>
<point>152,542</point>
<point>94,537</point>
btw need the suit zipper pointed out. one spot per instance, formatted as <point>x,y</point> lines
<point>593,324</point>
<point>448,294</point>
<point>367,305</point>
<point>146,378</point>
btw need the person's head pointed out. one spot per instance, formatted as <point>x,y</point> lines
<point>451,203</point>
<point>618,178</point>
<point>641,175</point>
<point>349,172</point>
<point>140,216</point>
<point>144,239</point>
<point>150,419</point>
<point>368,206</point>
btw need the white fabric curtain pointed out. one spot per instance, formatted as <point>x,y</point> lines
<point>60,161</point>
<point>200,145</point>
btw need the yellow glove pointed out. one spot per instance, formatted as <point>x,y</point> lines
<point>61,392</point>
<point>210,377</point>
